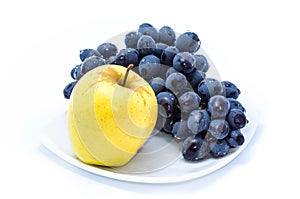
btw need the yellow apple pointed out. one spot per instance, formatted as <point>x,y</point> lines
<point>108,122</point>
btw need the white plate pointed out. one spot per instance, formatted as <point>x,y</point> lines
<point>159,161</point>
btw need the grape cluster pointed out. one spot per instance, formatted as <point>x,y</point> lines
<point>201,112</point>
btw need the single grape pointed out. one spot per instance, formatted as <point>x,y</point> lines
<point>90,63</point>
<point>194,78</point>
<point>85,53</point>
<point>74,71</point>
<point>194,149</point>
<point>177,83</point>
<point>235,104</point>
<point>148,29</point>
<point>127,56</point>
<point>149,67</point>
<point>236,119</point>
<point>235,138</point>
<point>157,84</point>
<point>168,55</point>
<point>68,89</point>
<point>210,87</point>
<point>219,128</point>
<point>231,90</point>
<point>198,121</point>
<point>146,41</point>
<point>201,63</point>
<point>188,42</point>
<point>180,130</point>
<point>145,45</point>
<point>189,101</point>
<point>218,106</point>
<point>167,104</point>
<point>219,149</point>
<point>167,35</point>
<point>131,39</point>
<point>184,62</point>
<point>107,50</point>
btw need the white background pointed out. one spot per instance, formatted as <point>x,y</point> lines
<point>253,43</point>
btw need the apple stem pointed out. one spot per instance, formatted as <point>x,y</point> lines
<point>130,66</point>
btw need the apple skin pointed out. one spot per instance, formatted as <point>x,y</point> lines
<point>108,123</point>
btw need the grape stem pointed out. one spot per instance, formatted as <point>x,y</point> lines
<point>130,66</point>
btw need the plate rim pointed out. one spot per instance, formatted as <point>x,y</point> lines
<point>72,160</point>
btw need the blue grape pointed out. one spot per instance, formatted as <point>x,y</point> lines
<point>235,104</point>
<point>219,128</point>
<point>107,50</point>
<point>146,41</point>
<point>148,29</point>
<point>198,121</point>
<point>127,56</point>
<point>235,138</point>
<point>168,55</point>
<point>149,67</point>
<point>184,62</point>
<point>74,71</point>
<point>201,63</point>
<point>189,101</point>
<point>176,82</point>
<point>145,25</point>
<point>68,89</point>
<point>91,63</point>
<point>236,119</point>
<point>231,90</point>
<point>188,42</point>
<point>167,104</point>
<point>85,53</point>
<point>145,45</point>
<point>180,130</point>
<point>167,35</point>
<point>194,149</point>
<point>131,39</point>
<point>157,84</point>
<point>194,78</point>
<point>219,149</point>
<point>218,106</point>
<point>210,87</point>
